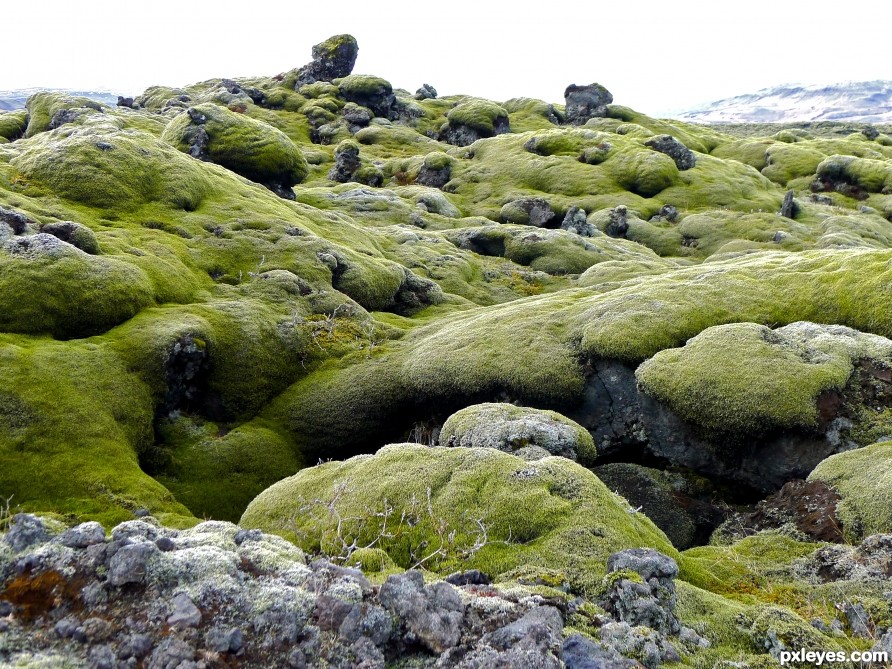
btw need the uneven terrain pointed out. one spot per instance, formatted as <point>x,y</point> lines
<point>628,378</point>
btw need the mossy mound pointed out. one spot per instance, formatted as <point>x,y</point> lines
<point>509,428</point>
<point>863,478</point>
<point>746,378</point>
<point>480,115</point>
<point>248,147</point>
<point>115,171</point>
<point>51,110</point>
<point>551,513</point>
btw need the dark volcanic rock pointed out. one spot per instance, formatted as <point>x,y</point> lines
<point>619,224</point>
<point>682,155</point>
<point>75,234</point>
<point>333,58</point>
<point>535,211</point>
<point>347,163</point>
<point>575,220</point>
<point>15,220</point>
<point>585,102</point>
<point>810,506</point>
<point>789,208</point>
<point>426,92</point>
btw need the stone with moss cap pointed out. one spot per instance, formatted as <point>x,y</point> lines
<point>586,102</point>
<point>508,428</point>
<point>863,479</point>
<point>766,405</point>
<point>367,91</point>
<point>333,58</point>
<point>549,513</point>
<point>474,119</point>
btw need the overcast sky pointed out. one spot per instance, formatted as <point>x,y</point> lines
<point>654,55</point>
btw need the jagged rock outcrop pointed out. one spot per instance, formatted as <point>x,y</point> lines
<point>332,59</point>
<point>586,102</point>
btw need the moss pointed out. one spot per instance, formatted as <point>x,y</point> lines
<point>13,124</point>
<point>552,513</point>
<point>863,478</point>
<point>373,561</point>
<point>481,115</point>
<point>746,378</point>
<point>785,162</point>
<point>645,173</point>
<point>43,106</point>
<point>48,286</point>
<point>248,147</point>
<point>778,629</point>
<point>216,472</point>
<point>359,86</point>
<point>114,171</point>
<point>873,176</point>
<point>73,421</point>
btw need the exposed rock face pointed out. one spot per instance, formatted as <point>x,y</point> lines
<point>76,234</point>
<point>535,211</point>
<point>508,428</point>
<point>243,597</point>
<point>426,92</point>
<point>347,162</point>
<point>808,506</point>
<point>618,224</point>
<point>684,506</point>
<point>16,221</point>
<point>333,58</point>
<point>684,158</point>
<point>789,208</point>
<point>575,220</point>
<point>585,102</point>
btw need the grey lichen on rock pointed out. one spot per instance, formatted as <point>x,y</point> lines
<point>509,428</point>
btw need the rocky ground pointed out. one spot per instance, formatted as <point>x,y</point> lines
<point>450,381</point>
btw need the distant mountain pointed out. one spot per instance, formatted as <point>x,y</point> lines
<point>16,99</point>
<point>864,101</point>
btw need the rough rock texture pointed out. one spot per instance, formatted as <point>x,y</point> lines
<point>508,428</point>
<point>586,102</point>
<point>76,234</point>
<point>687,508</point>
<point>684,158</point>
<point>426,92</point>
<point>809,506</point>
<point>332,59</point>
<point>535,211</point>
<point>347,162</point>
<point>218,596</point>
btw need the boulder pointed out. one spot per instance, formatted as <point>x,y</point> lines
<point>332,59</point>
<point>509,428</point>
<point>436,170</point>
<point>347,162</point>
<point>76,234</point>
<point>474,119</point>
<point>667,144</point>
<point>365,90</point>
<point>575,220</point>
<point>535,211</point>
<point>586,102</point>
<point>426,92</point>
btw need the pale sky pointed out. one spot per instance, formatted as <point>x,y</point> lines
<point>653,55</point>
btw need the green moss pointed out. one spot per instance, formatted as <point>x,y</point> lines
<point>248,147</point>
<point>481,115</point>
<point>874,176</point>
<point>552,513</point>
<point>216,472</point>
<point>745,377</point>
<point>372,561</point>
<point>13,124</point>
<point>58,289</point>
<point>863,478</point>
<point>73,421</point>
<point>43,106</point>
<point>112,170</point>
<point>785,162</point>
<point>778,629</point>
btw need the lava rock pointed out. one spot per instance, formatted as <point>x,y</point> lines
<point>618,224</point>
<point>432,614</point>
<point>83,535</point>
<point>15,220</point>
<point>426,92</point>
<point>535,211</point>
<point>650,602</point>
<point>586,102</point>
<point>130,563</point>
<point>332,59</point>
<point>575,220</point>
<point>684,158</point>
<point>26,531</point>
<point>76,234</point>
<point>347,162</point>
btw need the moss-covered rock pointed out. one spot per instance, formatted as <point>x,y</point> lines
<point>863,478</point>
<point>368,91</point>
<point>509,428</point>
<point>470,120</point>
<point>550,513</point>
<point>244,145</point>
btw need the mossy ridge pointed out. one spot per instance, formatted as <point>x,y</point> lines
<point>863,478</point>
<point>42,108</point>
<point>550,513</point>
